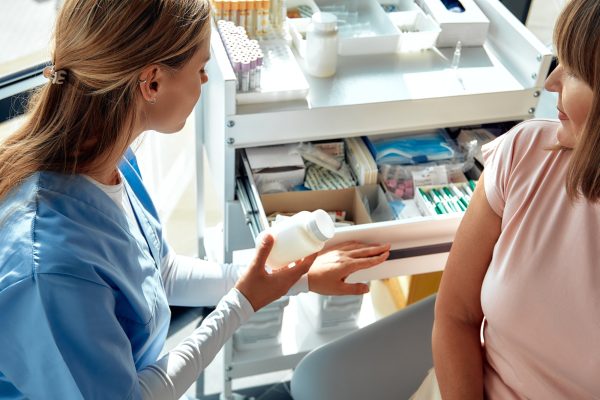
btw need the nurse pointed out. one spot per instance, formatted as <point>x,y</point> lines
<point>86,276</point>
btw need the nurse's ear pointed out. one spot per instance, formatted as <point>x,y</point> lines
<point>150,81</point>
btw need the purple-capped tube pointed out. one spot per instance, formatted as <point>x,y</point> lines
<point>245,84</point>
<point>237,69</point>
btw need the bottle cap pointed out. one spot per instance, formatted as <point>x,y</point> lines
<point>323,21</point>
<point>321,225</point>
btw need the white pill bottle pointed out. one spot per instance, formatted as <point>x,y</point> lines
<point>298,236</point>
<point>321,45</point>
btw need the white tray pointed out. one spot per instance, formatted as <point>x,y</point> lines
<point>367,30</point>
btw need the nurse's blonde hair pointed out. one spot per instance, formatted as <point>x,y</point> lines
<point>102,45</point>
<point>577,39</point>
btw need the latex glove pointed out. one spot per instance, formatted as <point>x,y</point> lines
<point>262,287</point>
<point>333,265</point>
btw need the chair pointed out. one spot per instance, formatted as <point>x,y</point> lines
<point>385,360</point>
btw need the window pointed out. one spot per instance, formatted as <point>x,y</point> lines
<point>25,33</point>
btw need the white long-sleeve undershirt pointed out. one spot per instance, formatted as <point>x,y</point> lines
<point>193,282</point>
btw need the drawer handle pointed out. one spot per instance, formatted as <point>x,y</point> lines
<point>420,251</point>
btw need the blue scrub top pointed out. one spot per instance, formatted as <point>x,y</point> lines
<point>82,303</point>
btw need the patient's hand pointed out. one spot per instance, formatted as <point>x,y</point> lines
<point>334,264</point>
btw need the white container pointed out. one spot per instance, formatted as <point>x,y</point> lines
<point>322,45</point>
<point>369,32</point>
<point>298,236</point>
<point>417,30</point>
<point>470,27</point>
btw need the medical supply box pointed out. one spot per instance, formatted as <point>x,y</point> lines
<point>276,168</point>
<point>469,26</point>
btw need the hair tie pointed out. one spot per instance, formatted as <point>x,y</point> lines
<point>56,77</point>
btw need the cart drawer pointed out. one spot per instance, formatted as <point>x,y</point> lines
<point>419,245</point>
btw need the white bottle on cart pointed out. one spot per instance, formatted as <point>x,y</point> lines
<point>322,45</point>
<point>299,236</point>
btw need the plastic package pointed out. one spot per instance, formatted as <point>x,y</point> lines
<point>298,236</point>
<point>414,149</point>
<point>445,199</point>
<point>319,157</point>
<point>321,45</point>
<point>361,161</point>
<point>319,178</point>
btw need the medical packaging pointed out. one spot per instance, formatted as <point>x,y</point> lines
<point>334,148</point>
<point>319,178</point>
<point>361,161</point>
<point>475,138</point>
<point>466,22</point>
<point>413,149</point>
<point>453,198</point>
<point>276,168</point>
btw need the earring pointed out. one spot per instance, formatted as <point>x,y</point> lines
<point>142,81</point>
<point>152,101</point>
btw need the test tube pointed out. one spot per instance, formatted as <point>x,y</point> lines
<point>237,68</point>
<point>245,81</point>
<point>243,13</point>
<point>218,7</point>
<point>263,18</point>
<point>234,11</point>
<point>277,14</point>
<point>226,9</point>
<point>250,19</point>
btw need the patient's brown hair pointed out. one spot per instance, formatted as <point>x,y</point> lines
<point>577,39</point>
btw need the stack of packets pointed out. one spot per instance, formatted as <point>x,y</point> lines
<point>326,168</point>
<point>319,178</point>
<point>338,218</point>
<point>446,199</point>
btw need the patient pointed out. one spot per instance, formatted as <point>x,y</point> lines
<point>531,283</point>
<point>523,273</point>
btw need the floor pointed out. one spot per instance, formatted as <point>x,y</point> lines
<point>21,43</point>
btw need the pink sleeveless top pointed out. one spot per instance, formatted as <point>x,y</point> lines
<point>541,293</point>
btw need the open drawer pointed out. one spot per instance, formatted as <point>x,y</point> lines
<point>419,245</point>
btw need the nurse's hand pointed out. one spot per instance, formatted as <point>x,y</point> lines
<point>333,265</point>
<point>261,287</point>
